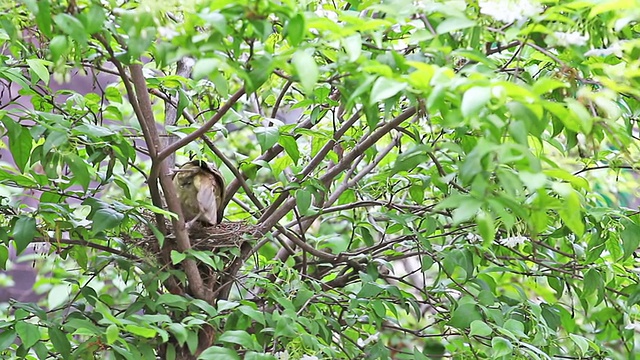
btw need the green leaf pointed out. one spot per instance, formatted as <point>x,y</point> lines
<point>367,238</point>
<point>252,355</point>
<point>23,232</point>
<point>54,140</point>
<point>173,301</point>
<point>486,226</point>
<point>296,29</point>
<point>581,342</point>
<point>105,218</point>
<point>127,353</point>
<point>112,333</point>
<point>203,305</point>
<point>417,355</point>
<point>634,296</point>
<point>533,181</point>
<point>290,146</point>
<point>370,290</point>
<point>14,75</point>
<point>464,315</point>
<point>434,348</point>
<point>454,24</point>
<point>353,46</point>
<point>180,332</point>
<point>261,68</point>
<point>239,337</point>
<point>416,192</point>
<point>41,351</point>
<point>177,257</point>
<point>183,102</point>
<point>80,170</point>
<point>544,85</point>
<point>43,18</point>
<point>203,68</point>
<point>216,20</point>
<point>37,66</point>
<point>267,137</point>
<point>530,116</point>
<point>60,342</point>
<point>592,282</point>
<point>4,256</point>
<point>411,158</point>
<point>518,130</point>
<point>480,328</point>
<point>570,212</point>
<point>576,181</point>
<point>18,179</point>
<point>141,331</point>
<point>551,316</point>
<point>467,210</point>
<point>217,352</point>
<point>501,347</point>
<point>57,295</point>
<point>7,337</point>
<point>93,130</point>
<point>630,238</point>
<point>95,19</point>
<point>205,258</point>
<point>20,142</point>
<point>303,200</point>
<point>20,147</point>
<point>28,333</point>
<point>72,27</point>
<point>307,70</point>
<point>474,100</point>
<point>581,114</point>
<point>515,327</point>
<point>384,88</point>
<point>254,314</point>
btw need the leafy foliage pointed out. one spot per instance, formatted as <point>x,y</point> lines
<point>424,179</point>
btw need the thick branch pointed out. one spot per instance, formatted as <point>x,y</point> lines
<point>225,160</point>
<point>182,237</point>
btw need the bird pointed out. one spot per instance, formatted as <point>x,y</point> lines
<point>200,188</point>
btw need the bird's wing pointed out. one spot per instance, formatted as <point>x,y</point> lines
<point>219,193</point>
<point>207,188</point>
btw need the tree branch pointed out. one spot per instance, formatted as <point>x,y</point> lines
<point>196,284</point>
<point>205,127</point>
<point>269,222</point>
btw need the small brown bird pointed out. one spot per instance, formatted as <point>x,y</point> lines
<point>200,188</point>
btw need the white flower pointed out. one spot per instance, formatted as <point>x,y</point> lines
<point>509,11</point>
<point>309,357</point>
<point>615,48</point>
<point>633,326</point>
<point>327,13</point>
<point>167,32</point>
<point>572,38</point>
<point>513,241</point>
<point>473,238</point>
<point>370,339</point>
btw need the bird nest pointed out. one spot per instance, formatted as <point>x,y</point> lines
<point>225,234</point>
